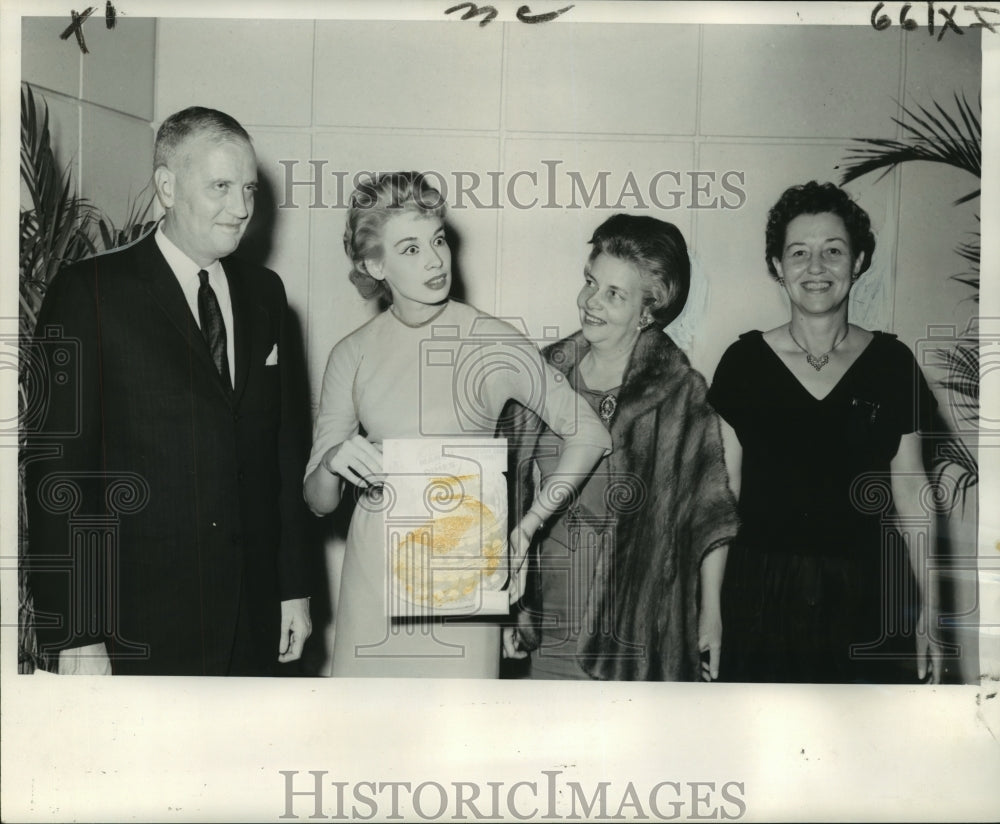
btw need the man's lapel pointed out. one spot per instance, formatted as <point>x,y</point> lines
<point>248,320</point>
<point>166,292</point>
<point>163,286</point>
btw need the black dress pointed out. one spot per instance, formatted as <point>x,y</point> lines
<point>817,588</point>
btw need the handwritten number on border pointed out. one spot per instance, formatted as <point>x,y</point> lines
<point>881,22</point>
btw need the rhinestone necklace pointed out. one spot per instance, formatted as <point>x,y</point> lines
<point>819,362</point>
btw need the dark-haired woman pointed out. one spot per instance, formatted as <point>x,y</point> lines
<point>627,580</point>
<point>820,421</point>
<point>374,382</point>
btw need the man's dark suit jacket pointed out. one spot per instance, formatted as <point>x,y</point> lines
<point>170,526</point>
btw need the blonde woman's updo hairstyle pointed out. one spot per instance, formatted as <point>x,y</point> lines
<point>373,202</point>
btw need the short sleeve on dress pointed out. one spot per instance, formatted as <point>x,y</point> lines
<point>915,402</point>
<point>726,393</point>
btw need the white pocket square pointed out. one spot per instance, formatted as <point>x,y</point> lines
<point>272,359</point>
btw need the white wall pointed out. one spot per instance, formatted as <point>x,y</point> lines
<point>779,104</point>
<point>100,104</point>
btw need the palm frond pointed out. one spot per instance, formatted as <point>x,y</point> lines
<point>971,252</point>
<point>53,229</point>
<point>967,197</point>
<point>970,280</point>
<point>955,469</point>
<point>962,363</point>
<point>944,131</point>
<point>934,136</point>
<point>56,227</point>
<point>136,224</point>
<point>956,466</point>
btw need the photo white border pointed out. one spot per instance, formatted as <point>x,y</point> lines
<point>184,749</point>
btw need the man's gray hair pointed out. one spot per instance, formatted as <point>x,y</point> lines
<point>192,121</point>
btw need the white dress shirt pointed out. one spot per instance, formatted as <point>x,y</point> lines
<point>186,272</point>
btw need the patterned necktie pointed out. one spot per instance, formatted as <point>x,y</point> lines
<point>213,328</point>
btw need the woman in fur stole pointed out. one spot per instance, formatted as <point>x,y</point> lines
<point>624,584</point>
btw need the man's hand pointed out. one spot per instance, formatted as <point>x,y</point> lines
<point>296,626</point>
<point>512,643</point>
<point>90,660</point>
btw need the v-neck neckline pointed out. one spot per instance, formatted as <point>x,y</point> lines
<point>840,380</point>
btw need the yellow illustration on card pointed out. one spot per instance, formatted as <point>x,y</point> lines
<point>443,561</point>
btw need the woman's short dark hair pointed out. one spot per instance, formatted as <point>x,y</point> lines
<point>657,249</point>
<point>814,198</point>
<point>373,202</point>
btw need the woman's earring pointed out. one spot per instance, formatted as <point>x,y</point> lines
<point>645,321</point>
<point>781,281</point>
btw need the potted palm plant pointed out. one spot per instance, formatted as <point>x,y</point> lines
<point>954,138</point>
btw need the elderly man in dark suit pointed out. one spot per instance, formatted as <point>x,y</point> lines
<point>166,535</point>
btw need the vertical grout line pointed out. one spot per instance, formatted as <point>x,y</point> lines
<point>501,150</point>
<point>307,313</point>
<point>896,203</point>
<point>152,104</point>
<point>696,159</point>
<point>696,140</point>
<point>312,82</point>
<point>156,71</point>
<point>79,125</point>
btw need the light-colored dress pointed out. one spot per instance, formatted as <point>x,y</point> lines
<point>449,377</point>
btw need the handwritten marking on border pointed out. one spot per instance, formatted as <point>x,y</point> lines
<point>472,10</point>
<point>489,13</point>
<point>76,27</point>
<point>881,22</point>
<point>525,16</point>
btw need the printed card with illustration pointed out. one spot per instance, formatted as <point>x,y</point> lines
<point>446,526</point>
